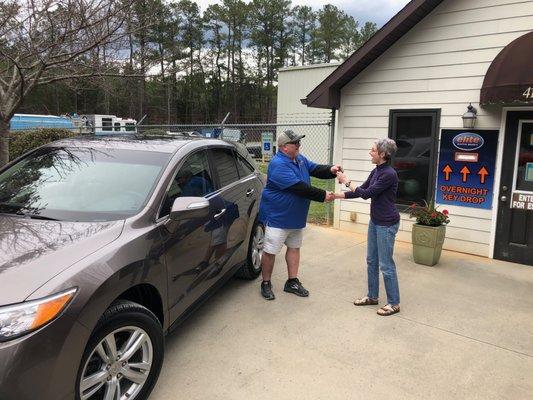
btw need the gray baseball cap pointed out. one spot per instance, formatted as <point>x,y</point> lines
<point>288,137</point>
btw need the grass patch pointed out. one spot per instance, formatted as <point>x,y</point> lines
<point>318,212</point>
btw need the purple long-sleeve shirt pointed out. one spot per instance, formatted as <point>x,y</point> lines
<point>381,187</point>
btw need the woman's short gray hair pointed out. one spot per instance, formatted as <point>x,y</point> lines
<point>387,146</point>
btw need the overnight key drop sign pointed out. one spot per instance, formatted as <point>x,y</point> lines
<point>467,161</point>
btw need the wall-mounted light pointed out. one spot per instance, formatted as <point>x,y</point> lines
<point>470,117</point>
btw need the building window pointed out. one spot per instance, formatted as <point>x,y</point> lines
<point>416,135</point>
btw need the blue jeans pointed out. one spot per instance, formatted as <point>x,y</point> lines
<point>379,257</point>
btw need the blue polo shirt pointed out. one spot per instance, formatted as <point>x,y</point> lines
<point>279,207</point>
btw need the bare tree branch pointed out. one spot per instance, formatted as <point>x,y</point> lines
<point>46,41</point>
<point>17,68</point>
<point>66,77</point>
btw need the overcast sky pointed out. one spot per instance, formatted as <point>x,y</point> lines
<point>378,11</point>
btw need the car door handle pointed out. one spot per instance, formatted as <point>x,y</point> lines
<point>249,192</point>
<point>220,214</point>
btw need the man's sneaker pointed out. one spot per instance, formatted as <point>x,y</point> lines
<point>266,290</point>
<point>294,286</point>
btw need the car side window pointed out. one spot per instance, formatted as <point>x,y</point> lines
<point>192,179</point>
<point>226,166</point>
<point>244,166</point>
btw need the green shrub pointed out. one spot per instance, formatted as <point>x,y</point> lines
<point>22,141</point>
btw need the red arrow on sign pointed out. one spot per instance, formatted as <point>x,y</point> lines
<point>483,174</point>
<point>447,171</point>
<point>465,171</point>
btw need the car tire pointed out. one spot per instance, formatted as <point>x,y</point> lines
<point>132,327</point>
<point>252,268</point>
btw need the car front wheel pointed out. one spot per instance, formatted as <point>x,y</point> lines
<point>123,357</point>
<point>252,268</point>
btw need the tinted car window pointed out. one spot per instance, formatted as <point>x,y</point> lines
<point>244,167</point>
<point>226,168</point>
<point>80,184</point>
<point>192,179</point>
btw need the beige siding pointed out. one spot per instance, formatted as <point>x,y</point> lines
<point>440,63</point>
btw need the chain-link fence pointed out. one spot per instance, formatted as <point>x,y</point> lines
<point>259,139</point>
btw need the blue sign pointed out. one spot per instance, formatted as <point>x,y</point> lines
<point>267,138</point>
<point>466,172</point>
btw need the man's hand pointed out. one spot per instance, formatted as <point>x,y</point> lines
<point>330,196</point>
<point>342,178</point>
<point>336,169</point>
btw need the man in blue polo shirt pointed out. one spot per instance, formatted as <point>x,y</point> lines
<point>284,207</point>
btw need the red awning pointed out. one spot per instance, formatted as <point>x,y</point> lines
<point>510,76</point>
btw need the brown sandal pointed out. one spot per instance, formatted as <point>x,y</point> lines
<point>365,301</point>
<point>388,309</point>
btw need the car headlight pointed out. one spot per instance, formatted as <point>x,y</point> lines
<point>20,319</point>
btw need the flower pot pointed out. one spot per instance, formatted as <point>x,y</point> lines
<point>427,243</point>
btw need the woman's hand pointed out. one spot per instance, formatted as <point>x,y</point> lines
<point>341,177</point>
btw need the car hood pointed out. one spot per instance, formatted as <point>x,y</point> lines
<point>34,251</point>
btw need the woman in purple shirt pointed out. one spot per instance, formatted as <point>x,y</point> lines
<point>381,188</point>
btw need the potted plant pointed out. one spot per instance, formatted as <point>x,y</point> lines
<point>428,232</point>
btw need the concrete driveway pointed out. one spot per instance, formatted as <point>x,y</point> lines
<point>465,332</point>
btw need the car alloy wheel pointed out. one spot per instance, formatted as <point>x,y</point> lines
<point>252,267</point>
<point>118,366</point>
<point>257,246</point>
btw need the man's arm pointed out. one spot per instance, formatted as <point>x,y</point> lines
<point>302,189</point>
<point>323,171</point>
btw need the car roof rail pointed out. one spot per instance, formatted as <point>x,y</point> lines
<point>186,133</point>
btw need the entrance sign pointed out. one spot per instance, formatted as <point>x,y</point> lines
<point>266,143</point>
<point>466,167</point>
<point>522,201</point>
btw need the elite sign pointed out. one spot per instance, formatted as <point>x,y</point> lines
<point>466,167</point>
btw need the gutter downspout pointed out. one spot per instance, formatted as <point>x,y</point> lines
<point>331,205</point>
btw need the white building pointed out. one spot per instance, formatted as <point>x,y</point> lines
<point>293,85</point>
<point>413,82</point>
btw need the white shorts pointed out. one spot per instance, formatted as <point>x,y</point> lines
<point>275,238</point>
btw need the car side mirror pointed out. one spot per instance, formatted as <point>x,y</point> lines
<point>189,208</point>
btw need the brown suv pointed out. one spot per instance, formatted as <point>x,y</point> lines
<point>106,244</point>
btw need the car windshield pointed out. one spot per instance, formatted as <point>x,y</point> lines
<point>80,184</point>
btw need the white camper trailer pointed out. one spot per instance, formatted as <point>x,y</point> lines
<point>110,124</point>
